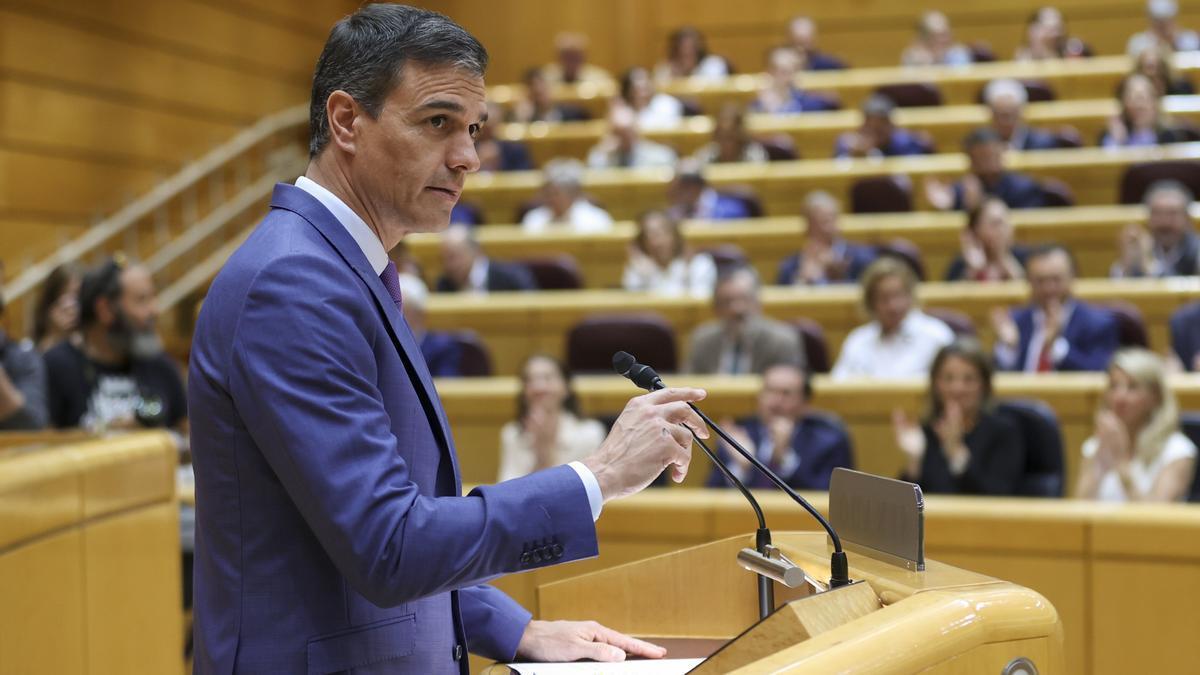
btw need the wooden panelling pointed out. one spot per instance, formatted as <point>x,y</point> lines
<point>42,622</point>
<point>46,186</point>
<point>23,241</point>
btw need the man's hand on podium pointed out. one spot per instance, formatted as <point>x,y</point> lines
<point>558,641</point>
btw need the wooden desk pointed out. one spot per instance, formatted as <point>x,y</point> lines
<point>1089,231</point>
<point>1072,79</point>
<point>814,134</point>
<point>1092,173</point>
<point>514,325</point>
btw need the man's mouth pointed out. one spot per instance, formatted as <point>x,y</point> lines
<point>449,193</point>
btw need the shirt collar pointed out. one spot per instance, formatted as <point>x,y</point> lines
<point>357,227</point>
<point>477,279</point>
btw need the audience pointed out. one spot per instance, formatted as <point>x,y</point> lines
<point>740,339</point>
<point>964,446</point>
<point>988,252</point>
<point>1162,31</point>
<point>564,206</point>
<point>827,257</point>
<point>466,268</point>
<point>550,429</point>
<point>1055,332</point>
<point>1137,453</point>
<point>692,198</point>
<point>441,351</point>
<point>1141,121</point>
<point>879,136</point>
<point>1046,38</point>
<point>801,446</point>
<point>660,263</point>
<point>654,110</point>
<point>782,96</point>
<point>22,380</point>
<point>1155,63</point>
<point>935,44</point>
<point>802,37</point>
<point>731,142</point>
<point>539,104</point>
<point>687,56</point>
<point>986,176</point>
<point>1185,337</point>
<point>624,147</point>
<point>1168,246</point>
<point>900,340</point>
<point>1006,101</point>
<point>571,66</point>
<point>496,154</point>
<point>117,376</point>
<point>56,312</point>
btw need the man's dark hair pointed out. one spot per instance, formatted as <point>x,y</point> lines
<point>979,137</point>
<point>102,281</point>
<point>1047,249</point>
<point>366,51</point>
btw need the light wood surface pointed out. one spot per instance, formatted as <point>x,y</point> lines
<point>1093,175</point>
<point>514,325</point>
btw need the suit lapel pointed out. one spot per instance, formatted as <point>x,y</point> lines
<point>298,201</point>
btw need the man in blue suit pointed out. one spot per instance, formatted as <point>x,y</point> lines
<point>1055,332</point>
<point>827,257</point>
<point>331,531</point>
<point>1185,336</point>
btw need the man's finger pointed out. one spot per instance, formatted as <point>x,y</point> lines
<point>630,645</point>
<point>681,413</point>
<point>600,651</point>
<point>672,394</point>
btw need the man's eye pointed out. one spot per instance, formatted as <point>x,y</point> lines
<point>474,129</point>
<point>438,122</point>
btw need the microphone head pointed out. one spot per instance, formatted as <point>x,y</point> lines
<point>622,362</point>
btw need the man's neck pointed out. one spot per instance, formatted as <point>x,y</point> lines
<point>326,172</point>
<point>96,348</point>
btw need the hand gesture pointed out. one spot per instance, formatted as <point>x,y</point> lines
<point>780,428</point>
<point>909,437</point>
<point>815,265</point>
<point>1005,328</point>
<point>1112,437</point>
<point>1117,133</point>
<point>972,191</point>
<point>739,434</point>
<point>939,194</point>
<point>950,427</point>
<point>972,252</point>
<point>1054,320</point>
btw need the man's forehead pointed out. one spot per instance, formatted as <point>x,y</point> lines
<point>424,85</point>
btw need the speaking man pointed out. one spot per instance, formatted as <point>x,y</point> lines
<point>331,534</point>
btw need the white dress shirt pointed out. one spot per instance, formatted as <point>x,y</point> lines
<point>681,277</point>
<point>908,352</point>
<point>582,218</point>
<point>377,256</point>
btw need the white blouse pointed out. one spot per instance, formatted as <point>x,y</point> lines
<point>908,353</point>
<point>576,439</point>
<point>695,277</point>
<point>1143,475</point>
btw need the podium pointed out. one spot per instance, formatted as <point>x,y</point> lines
<point>699,602</point>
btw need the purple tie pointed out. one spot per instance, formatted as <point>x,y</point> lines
<point>391,281</point>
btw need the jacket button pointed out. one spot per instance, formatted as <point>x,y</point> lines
<point>525,558</point>
<point>556,551</point>
<point>535,556</point>
<point>458,652</point>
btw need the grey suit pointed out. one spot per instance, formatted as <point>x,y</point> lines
<point>766,342</point>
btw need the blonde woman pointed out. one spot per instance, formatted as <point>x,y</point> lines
<point>1137,452</point>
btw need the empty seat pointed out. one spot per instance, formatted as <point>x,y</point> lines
<point>748,197</point>
<point>555,273</point>
<point>958,322</point>
<point>779,147</point>
<point>1044,473</point>
<point>1141,176</point>
<point>727,255</point>
<point>911,94</point>
<point>906,251</point>
<point>1131,327</point>
<point>592,342</point>
<point>881,194</point>
<point>1056,193</point>
<point>1189,424</point>
<point>474,360</point>
<point>816,349</point>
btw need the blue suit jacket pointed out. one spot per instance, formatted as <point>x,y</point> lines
<point>1091,333</point>
<point>1016,190</point>
<point>330,534</point>
<point>1185,334</point>
<point>821,443</point>
<point>858,259</point>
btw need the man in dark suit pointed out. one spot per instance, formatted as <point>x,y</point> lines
<point>465,267</point>
<point>331,534</point>
<point>802,446</point>
<point>1055,332</point>
<point>802,36</point>
<point>1185,336</point>
<point>741,340</point>
<point>827,258</point>
<point>1006,100</point>
<point>879,136</point>
<point>986,176</point>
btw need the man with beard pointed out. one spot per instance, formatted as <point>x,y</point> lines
<point>119,378</point>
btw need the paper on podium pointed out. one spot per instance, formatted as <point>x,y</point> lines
<point>641,667</point>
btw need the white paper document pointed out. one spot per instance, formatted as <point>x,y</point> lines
<point>646,667</point>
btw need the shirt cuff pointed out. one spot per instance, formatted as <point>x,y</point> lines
<point>591,486</point>
<point>1058,350</point>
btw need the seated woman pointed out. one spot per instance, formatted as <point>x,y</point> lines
<point>988,253</point>
<point>56,314</point>
<point>1046,38</point>
<point>731,142</point>
<point>900,340</point>
<point>687,56</point>
<point>782,96</point>
<point>659,261</point>
<point>549,429</point>
<point>653,109</point>
<point>1137,453</point>
<point>964,446</point>
<point>1141,121</point>
<point>1155,63</point>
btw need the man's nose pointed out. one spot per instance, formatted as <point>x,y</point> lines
<point>461,156</point>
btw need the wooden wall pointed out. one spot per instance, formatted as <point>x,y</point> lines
<point>99,100</point>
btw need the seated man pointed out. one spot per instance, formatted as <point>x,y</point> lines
<point>935,44</point>
<point>1168,247</point>
<point>879,136</point>
<point>802,446</point>
<point>986,176</point>
<point>1163,30</point>
<point>782,96</point>
<point>1055,332</point>
<point>497,154</point>
<point>465,267</point>
<point>1185,336</point>
<point>1006,100</point>
<point>741,340</point>
<point>563,203</point>
<point>539,105</point>
<point>802,36</point>
<point>827,257</point>
<point>441,351</point>
<point>22,381</point>
<point>692,198</point>
<point>118,377</point>
<point>623,146</point>
<point>571,66</point>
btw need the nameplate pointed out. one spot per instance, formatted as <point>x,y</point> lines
<point>883,518</point>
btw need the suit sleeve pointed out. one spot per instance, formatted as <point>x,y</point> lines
<point>493,621</point>
<point>1094,346</point>
<point>303,379</point>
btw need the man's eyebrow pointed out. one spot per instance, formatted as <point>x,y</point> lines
<point>452,106</point>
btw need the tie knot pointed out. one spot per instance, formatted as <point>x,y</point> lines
<point>391,281</point>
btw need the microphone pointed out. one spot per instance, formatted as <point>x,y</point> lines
<point>645,377</point>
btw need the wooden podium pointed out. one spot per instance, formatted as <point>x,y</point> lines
<point>701,602</point>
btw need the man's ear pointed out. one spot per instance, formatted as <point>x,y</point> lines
<point>342,112</point>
